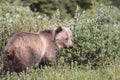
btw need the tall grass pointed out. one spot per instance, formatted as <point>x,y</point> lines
<point>96,41</point>
<point>68,73</point>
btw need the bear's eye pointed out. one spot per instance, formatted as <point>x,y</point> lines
<point>66,38</point>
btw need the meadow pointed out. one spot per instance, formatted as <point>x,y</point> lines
<point>96,38</point>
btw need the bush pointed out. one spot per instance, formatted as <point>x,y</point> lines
<point>96,33</point>
<point>96,39</point>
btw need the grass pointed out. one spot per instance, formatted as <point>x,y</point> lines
<point>68,73</point>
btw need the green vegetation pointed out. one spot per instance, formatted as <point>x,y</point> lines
<point>96,52</point>
<point>67,73</point>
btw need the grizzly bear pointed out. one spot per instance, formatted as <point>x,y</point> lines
<point>26,49</point>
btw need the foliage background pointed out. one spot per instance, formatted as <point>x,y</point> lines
<point>96,35</point>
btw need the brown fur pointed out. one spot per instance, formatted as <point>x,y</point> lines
<point>25,49</point>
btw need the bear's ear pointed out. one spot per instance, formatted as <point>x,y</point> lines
<point>71,28</point>
<point>56,31</point>
<point>59,29</point>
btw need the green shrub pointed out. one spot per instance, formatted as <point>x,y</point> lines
<point>96,39</point>
<point>96,34</point>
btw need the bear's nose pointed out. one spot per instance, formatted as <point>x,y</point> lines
<point>71,47</point>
